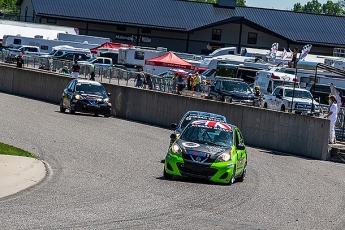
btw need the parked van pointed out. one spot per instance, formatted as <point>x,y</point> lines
<point>268,80</point>
<point>58,51</point>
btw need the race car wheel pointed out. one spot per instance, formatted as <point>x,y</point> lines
<point>241,179</point>
<point>71,111</point>
<point>166,175</point>
<point>62,109</point>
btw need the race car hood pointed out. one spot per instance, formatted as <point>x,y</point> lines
<point>212,151</point>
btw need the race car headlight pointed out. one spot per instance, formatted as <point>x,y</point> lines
<point>224,157</point>
<point>78,97</point>
<point>175,148</point>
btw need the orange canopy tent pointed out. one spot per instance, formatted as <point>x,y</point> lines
<point>111,45</point>
<point>169,60</point>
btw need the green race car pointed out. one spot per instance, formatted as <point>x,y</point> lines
<point>209,150</point>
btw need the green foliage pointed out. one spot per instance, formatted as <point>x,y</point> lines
<point>8,4</point>
<point>239,2</point>
<point>329,8</point>
<point>10,150</point>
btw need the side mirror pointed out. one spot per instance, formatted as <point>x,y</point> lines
<point>109,94</point>
<point>240,147</point>
<point>173,136</point>
<point>173,125</point>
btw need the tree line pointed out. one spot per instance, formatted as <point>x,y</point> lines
<point>313,6</point>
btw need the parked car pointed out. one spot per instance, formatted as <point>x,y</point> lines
<point>299,101</point>
<point>322,92</point>
<point>209,150</point>
<point>82,57</point>
<point>231,90</point>
<point>85,96</point>
<point>192,116</point>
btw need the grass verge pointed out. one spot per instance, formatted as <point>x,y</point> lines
<point>11,150</point>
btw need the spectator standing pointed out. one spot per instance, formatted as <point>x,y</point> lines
<point>294,58</point>
<point>257,93</point>
<point>149,81</point>
<point>20,62</point>
<point>139,78</point>
<point>75,70</point>
<point>197,82</point>
<point>92,76</point>
<point>332,116</point>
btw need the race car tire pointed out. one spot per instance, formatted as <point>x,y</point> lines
<point>106,115</point>
<point>71,111</point>
<point>62,109</point>
<point>241,179</point>
<point>166,175</point>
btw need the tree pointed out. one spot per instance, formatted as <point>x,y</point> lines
<point>241,3</point>
<point>298,7</point>
<point>329,8</point>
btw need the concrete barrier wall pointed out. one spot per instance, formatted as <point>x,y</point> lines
<point>290,133</point>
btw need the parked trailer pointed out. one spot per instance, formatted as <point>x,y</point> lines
<point>45,45</point>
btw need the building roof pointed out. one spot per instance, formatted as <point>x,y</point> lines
<point>187,16</point>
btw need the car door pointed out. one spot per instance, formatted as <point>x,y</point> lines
<point>215,93</point>
<point>240,154</point>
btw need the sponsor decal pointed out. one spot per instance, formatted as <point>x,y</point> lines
<point>190,144</point>
<point>214,149</point>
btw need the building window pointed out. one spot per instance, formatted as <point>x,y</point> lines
<point>121,28</point>
<point>216,34</point>
<point>252,38</point>
<point>17,41</point>
<point>44,47</point>
<point>139,55</point>
<point>51,21</point>
<point>146,31</point>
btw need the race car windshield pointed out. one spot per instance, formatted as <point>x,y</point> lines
<point>189,119</point>
<point>208,135</point>
<point>298,94</point>
<point>91,89</point>
<point>236,86</point>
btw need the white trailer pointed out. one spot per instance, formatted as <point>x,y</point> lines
<point>82,38</point>
<point>45,45</point>
<point>27,29</point>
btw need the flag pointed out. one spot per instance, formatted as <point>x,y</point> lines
<point>284,54</point>
<point>306,49</point>
<point>335,92</point>
<point>273,52</point>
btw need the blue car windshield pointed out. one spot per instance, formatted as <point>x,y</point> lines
<point>90,89</point>
<point>208,135</point>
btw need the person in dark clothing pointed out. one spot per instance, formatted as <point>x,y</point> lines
<point>75,69</point>
<point>92,76</point>
<point>257,93</point>
<point>20,62</point>
<point>189,86</point>
<point>294,57</point>
<point>149,81</point>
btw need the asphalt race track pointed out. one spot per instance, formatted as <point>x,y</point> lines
<point>106,173</point>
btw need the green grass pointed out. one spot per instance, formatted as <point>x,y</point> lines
<point>10,150</point>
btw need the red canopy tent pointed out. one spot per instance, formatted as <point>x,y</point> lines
<point>169,60</point>
<point>111,45</point>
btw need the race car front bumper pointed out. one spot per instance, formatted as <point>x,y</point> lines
<point>220,172</point>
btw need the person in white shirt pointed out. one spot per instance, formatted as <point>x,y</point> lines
<point>332,116</point>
